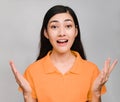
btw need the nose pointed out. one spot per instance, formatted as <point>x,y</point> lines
<point>62,32</point>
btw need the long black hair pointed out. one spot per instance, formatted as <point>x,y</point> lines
<point>45,45</point>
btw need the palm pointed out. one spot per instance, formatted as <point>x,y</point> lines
<point>104,75</point>
<point>22,82</point>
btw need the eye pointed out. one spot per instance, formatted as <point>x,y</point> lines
<point>54,26</point>
<point>68,26</point>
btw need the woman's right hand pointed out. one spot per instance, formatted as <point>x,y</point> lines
<point>21,81</point>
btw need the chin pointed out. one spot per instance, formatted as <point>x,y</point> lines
<point>63,51</point>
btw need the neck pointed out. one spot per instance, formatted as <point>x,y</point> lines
<point>61,57</point>
<point>63,61</point>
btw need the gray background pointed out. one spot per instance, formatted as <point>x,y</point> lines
<point>20,23</point>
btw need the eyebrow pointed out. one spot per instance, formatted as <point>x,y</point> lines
<point>53,21</point>
<point>68,20</point>
<point>58,21</point>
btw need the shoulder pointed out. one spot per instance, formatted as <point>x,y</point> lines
<point>37,66</point>
<point>83,62</point>
<point>86,65</point>
<point>90,69</point>
<point>90,64</point>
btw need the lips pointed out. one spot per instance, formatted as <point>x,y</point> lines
<point>61,41</point>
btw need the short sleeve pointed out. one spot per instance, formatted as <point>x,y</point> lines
<point>94,76</point>
<point>28,76</point>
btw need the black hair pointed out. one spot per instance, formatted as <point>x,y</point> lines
<point>45,45</point>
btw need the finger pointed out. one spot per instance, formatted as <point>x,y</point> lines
<point>113,66</point>
<point>16,73</point>
<point>103,78</point>
<point>13,67</point>
<point>106,66</point>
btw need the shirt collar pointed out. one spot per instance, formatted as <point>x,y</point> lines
<point>77,69</point>
<point>50,68</point>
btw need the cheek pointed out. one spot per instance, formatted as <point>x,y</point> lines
<point>72,38</point>
<point>73,35</point>
<point>51,35</point>
<point>52,38</point>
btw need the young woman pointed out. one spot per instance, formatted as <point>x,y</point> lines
<point>61,72</point>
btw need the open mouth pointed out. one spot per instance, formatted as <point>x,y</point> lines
<point>61,41</point>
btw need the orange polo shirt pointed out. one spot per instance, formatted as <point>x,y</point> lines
<point>49,85</point>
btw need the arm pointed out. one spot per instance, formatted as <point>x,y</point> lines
<point>23,83</point>
<point>96,98</point>
<point>101,80</point>
<point>28,98</point>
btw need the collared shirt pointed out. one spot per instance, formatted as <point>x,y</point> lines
<point>49,85</point>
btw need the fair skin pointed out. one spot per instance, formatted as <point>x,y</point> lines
<point>61,32</point>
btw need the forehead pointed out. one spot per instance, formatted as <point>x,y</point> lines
<point>61,17</point>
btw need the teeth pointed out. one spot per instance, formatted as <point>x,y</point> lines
<point>61,40</point>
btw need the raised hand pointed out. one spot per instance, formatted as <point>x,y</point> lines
<point>21,81</point>
<point>103,76</point>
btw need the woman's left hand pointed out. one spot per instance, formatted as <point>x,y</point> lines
<point>103,76</point>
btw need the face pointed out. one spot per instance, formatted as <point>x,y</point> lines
<point>61,32</point>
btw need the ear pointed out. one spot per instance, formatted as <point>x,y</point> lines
<point>76,31</point>
<point>46,34</point>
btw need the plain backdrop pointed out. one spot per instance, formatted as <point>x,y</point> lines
<point>20,23</point>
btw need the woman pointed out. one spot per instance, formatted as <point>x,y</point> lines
<point>61,72</point>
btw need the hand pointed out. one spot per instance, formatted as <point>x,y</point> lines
<point>103,76</point>
<point>21,81</point>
